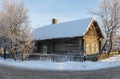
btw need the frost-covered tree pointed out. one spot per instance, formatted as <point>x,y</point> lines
<point>109,14</point>
<point>14,24</point>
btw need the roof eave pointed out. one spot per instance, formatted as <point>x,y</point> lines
<point>59,38</point>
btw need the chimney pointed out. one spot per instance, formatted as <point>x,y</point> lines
<point>54,21</point>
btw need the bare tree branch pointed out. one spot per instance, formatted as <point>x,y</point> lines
<point>109,13</point>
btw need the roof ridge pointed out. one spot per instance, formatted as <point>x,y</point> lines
<point>66,22</point>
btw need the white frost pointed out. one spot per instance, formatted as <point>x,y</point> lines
<point>70,66</point>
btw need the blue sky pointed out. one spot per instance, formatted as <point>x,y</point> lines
<point>42,11</point>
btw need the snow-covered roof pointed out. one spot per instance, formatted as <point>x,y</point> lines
<point>63,30</point>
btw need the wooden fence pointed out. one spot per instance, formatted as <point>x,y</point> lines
<point>63,57</point>
<point>105,55</point>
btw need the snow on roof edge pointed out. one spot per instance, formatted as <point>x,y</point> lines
<point>88,26</point>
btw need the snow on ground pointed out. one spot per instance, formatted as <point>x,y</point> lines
<point>70,66</point>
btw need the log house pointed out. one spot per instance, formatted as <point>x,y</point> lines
<point>80,36</point>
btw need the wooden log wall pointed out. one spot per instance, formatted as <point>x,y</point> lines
<point>61,46</point>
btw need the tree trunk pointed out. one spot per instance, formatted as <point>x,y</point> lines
<point>14,54</point>
<point>23,56</point>
<point>5,53</point>
<point>110,43</point>
<point>101,51</point>
<point>110,48</point>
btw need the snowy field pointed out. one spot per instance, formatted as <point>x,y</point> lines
<point>70,66</point>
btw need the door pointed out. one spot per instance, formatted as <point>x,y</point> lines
<point>45,48</point>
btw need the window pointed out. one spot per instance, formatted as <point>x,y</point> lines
<point>92,47</point>
<point>88,47</point>
<point>97,47</point>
